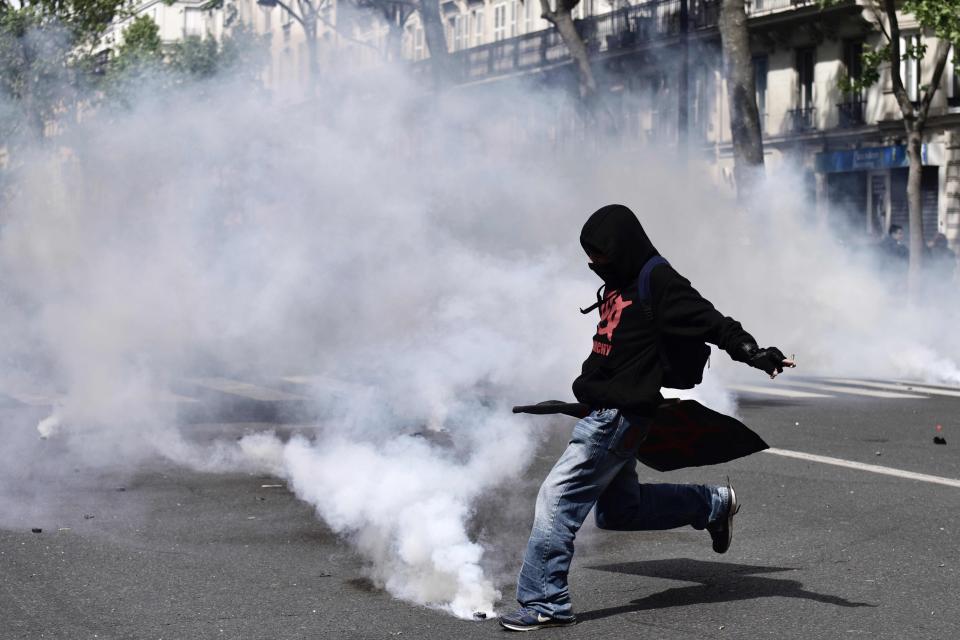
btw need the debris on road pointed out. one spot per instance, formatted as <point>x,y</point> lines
<point>271,486</point>
<point>939,440</point>
<point>878,453</point>
<point>37,530</point>
<point>479,615</point>
<point>88,516</point>
<point>121,488</point>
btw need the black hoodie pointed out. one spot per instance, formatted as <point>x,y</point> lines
<point>623,370</point>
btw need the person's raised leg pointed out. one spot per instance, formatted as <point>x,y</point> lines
<point>628,505</point>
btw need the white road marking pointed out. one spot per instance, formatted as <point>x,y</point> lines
<point>33,399</point>
<point>932,385</point>
<point>901,386</point>
<point>168,397</point>
<point>244,389</point>
<point>856,392</point>
<point>873,468</point>
<point>304,380</point>
<point>772,391</point>
<point>326,384</point>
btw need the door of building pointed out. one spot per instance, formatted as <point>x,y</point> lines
<point>878,207</point>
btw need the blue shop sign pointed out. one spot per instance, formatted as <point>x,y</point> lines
<point>867,159</point>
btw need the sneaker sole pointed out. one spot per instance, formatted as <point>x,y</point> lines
<point>543,625</point>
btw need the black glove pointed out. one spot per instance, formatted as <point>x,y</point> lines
<point>769,359</point>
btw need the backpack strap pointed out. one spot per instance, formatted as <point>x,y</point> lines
<point>643,281</point>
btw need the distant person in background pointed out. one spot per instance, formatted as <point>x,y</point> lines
<point>895,260</point>
<point>892,246</point>
<point>940,252</point>
<point>941,263</point>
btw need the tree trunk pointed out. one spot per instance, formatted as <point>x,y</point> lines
<point>914,122</point>
<point>741,97</point>
<point>915,205</point>
<point>313,52</point>
<point>562,19</point>
<point>394,50</point>
<point>436,38</point>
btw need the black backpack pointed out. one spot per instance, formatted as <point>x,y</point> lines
<point>682,359</point>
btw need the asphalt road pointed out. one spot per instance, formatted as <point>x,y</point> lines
<point>820,550</point>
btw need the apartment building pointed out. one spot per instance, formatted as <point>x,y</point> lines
<point>659,65</point>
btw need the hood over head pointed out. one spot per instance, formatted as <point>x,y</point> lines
<point>614,232</point>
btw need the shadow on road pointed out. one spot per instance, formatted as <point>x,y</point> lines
<point>719,582</point>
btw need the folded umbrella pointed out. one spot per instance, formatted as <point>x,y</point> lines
<point>682,433</point>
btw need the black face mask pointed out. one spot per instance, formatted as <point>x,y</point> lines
<point>606,272</point>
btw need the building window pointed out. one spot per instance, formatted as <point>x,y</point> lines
<point>952,77</point>
<point>461,32</point>
<point>803,116</point>
<point>910,67</point>
<point>703,99</point>
<point>514,11</point>
<point>478,27</point>
<point>192,23</point>
<point>805,69</point>
<point>267,18</point>
<point>761,65</point>
<point>529,15</point>
<point>853,63</point>
<point>416,50</point>
<point>499,22</point>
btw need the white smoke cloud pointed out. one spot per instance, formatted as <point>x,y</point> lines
<point>417,253</point>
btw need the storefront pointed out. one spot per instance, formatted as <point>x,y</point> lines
<point>866,188</point>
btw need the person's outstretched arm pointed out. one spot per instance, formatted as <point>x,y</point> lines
<point>680,310</point>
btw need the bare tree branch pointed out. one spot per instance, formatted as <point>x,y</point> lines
<point>290,11</point>
<point>895,56</point>
<point>878,16</point>
<point>545,12</point>
<point>943,50</point>
<point>345,36</point>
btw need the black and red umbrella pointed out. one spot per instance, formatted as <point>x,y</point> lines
<point>683,433</point>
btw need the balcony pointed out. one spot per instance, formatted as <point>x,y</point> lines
<point>851,114</point>
<point>801,120</point>
<point>626,28</point>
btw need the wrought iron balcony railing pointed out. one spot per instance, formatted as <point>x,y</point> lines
<point>628,27</point>
<point>801,119</point>
<point>851,113</point>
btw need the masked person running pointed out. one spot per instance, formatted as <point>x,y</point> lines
<point>620,382</point>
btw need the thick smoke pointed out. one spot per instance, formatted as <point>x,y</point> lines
<point>415,256</point>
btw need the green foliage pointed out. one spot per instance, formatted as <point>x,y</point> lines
<point>869,73</point>
<point>142,48</point>
<point>35,75</point>
<point>143,68</point>
<point>84,20</point>
<point>940,16</point>
<point>242,51</point>
<point>45,48</point>
<point>195,57</point>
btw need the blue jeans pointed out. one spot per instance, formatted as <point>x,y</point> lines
<point>599,468</point>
